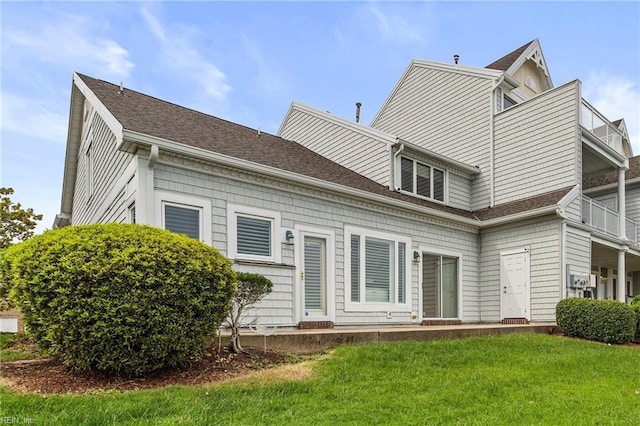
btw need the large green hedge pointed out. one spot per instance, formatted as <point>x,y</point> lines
<point>120,298</point>
<point>607,321</point>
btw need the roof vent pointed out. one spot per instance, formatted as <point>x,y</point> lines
<point>121,89</point>
<point>456,58</point>
<point>358,105</point>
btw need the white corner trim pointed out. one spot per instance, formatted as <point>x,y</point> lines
<point>569,197</point>
<point>114,125</point>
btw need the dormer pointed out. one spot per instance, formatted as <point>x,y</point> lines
<point>527,66</point>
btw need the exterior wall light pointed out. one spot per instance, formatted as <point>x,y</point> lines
<point>416,256</point>
<point>289,236</point>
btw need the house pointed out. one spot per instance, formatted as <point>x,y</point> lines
<point>475,195</point>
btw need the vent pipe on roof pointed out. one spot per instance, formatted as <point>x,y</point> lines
<point>358,105</point>
<point>121,89</point>
<point>456,58</point>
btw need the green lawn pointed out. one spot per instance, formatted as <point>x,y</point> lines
<point>518,379</point>
<point>16,346</point>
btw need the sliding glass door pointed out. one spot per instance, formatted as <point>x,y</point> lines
<point>439,286</point>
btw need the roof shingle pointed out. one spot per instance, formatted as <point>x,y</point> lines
<point>506,61</point>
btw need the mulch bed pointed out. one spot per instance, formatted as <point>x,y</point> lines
<point>51,377</point>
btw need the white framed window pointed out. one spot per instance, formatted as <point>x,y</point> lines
<point>131,213</point>
<point>184,214</point>
<point>507,102</point>
<point>377,271</point>
<point>253,234</point>
<point>422,179</point>
<point>89,166</point>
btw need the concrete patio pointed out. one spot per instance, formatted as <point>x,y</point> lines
<point>318,340</point>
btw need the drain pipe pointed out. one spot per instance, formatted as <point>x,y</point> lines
<point>492,147</point>
<point>400,146</point>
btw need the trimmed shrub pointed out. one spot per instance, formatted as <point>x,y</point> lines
<point>606,321</point>
<point>636,309</point>
<point>251,288</point>
<point>635,300</point>
<point>128,299</point>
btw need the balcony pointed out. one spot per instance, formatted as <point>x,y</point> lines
<point>605,220</point>
<point>598,125</point>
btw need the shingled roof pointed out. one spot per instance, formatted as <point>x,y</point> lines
<point>612,177</point>
<point>540,201</point>
<point>506,61</point>
<point>151,116</point>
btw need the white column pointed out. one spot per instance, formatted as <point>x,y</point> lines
<point>622,276</point>
<point>622,214</point>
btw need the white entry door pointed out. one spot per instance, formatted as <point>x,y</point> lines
<point>514,284</point>
<point>315,276</point>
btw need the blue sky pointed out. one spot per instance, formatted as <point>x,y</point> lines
<point>247,61</point>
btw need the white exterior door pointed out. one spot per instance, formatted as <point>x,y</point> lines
<point>514,284</point>
<point>315,276</point>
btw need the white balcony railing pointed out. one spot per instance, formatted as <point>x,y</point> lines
<point>606,220</point>
<point>600,127</point>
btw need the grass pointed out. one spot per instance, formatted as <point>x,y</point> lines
<point>16,346</point>
<point>512,379</point>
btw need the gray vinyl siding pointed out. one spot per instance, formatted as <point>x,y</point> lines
<point>543,239</point>
<point>578,255</point>
<point>633,207</point>
<point>355,150</point>
<point>459,191</point>
<point>447,113</point>
<point>536,144</point>
<point>573,211</point>
<point>109,165</point>
<point>329,211</point>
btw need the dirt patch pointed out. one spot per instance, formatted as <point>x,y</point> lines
<point>51,377</point>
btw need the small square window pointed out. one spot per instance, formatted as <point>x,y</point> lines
<point>182,220</point>
<point>252,234</point>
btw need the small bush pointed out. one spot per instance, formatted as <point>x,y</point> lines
<point>607,321</point>
<point>128,299</point>
<point>636,309</point>
<point>251,288</point>
<point>635,300</point>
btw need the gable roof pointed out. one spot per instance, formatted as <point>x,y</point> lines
<point>633,172</point>
<point>509,59</point>
<point>151,116</point>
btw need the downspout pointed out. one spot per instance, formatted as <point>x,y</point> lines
<point>149,187</point>
<point>400,147</point>
<point>492,148</point>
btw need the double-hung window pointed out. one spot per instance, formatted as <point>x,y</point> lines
<point>377,271</point>
<point>253,234</point>
<point>422,179</point>
<point>184,214</point>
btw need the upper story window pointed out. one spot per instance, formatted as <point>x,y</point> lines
<point>422,179</point>
<point>507,102</point>
<point>252,233</point>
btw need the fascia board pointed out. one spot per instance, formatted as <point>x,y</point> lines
<point>569,197</point>
<point>518,62</point>
<point>71,152</point>
<point>285,119</point>
<point>356,127</point>
<point>170,146</point>
<point>449,161</point>
<point>114,125</point>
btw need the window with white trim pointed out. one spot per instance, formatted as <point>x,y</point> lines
<point>422,179</point>
<point>253,234</point>
<point>507,102</point>
<point>89,170</point>
<point>378,270</point>
<point>184,214</point>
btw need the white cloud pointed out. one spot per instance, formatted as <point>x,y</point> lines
<point>394,27</point>
<point>616,97</point>
<point>267,78</point>
<point>33,117</point>
<point>179,52</point>
<point>71,40</point>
